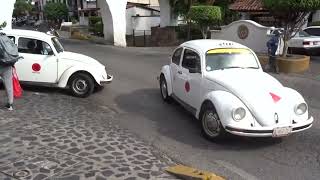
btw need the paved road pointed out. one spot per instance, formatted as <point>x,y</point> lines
<point>134,96</point>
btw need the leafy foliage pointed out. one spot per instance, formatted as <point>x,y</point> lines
<point>292,15</point>
<point>3,25</point>
<point>96,25</point>
<point>228,15</point>
<point>205,16</point>
<point>21,7</point>
<point>292,5</point>
<point>55,11</point>
<point>94,19</point>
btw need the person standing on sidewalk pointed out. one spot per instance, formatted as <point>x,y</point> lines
<point>8,57</point>
<point>272,45</point>
<point>6,76</point>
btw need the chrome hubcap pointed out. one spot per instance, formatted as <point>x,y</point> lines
<point>211,124</point>
<point>80,86</point>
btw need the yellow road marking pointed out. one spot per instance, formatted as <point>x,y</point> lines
<point>186,172</point>
<point>228,50</point>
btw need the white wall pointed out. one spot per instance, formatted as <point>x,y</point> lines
<point>256,40</point>
<point>6,10</point>
<point>167,17</point>
<point>140,23</point>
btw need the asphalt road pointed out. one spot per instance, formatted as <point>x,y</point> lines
<point>135,96</point>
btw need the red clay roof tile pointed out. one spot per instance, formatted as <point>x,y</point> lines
<point>247,5</point>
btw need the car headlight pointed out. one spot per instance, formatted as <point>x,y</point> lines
<point>301,109</point>
<point>238,113</point>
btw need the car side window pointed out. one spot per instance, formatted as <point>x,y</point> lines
<point>34,46</point>
<point>313,31</point>
<point>12,38</point>
<point>191,61</point>
<point>177,56</point>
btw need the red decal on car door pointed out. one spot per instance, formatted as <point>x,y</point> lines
<point>187,86</point>
<point>36,67</point>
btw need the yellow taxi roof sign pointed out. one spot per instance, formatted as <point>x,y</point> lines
<point>228,51</point>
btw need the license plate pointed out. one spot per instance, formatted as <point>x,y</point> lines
<point>281,131</point>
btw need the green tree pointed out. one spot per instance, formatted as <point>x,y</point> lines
<point>204,16</point>
<point>55,11</point>
<point>292,15</point>
<point>21,8</point>
<point>3,25</point>
<point>228,15</point>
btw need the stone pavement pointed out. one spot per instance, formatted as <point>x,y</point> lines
<point>54,136</point>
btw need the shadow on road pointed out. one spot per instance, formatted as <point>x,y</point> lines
<point>174,122</point>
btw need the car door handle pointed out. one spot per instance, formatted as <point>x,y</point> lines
<point>179,72</point>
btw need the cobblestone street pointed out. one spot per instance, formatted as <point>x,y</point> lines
<point>51,135</point>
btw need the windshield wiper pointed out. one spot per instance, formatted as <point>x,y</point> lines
<point>251,67</point>
<point>231,67</point>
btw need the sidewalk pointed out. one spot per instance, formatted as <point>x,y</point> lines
<point>55,136</point>
<point>313,72</point>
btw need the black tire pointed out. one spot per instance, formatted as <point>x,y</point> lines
<point>81,85</point>
<point>212,129</point>
<point>164,89</point>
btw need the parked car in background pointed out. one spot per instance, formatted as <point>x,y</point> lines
<point>223,85</point>
<point>45,62</point>
<point>304,43</point>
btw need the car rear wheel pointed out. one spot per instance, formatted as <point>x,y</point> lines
<point>164,89</point>
<point>211,125</point>
<point>81,85</point>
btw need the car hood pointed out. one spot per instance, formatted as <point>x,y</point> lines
<point>79,58</point>
<point>262,94</point>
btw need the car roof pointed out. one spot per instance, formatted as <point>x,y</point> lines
<point>309,27</point>
<point>27,33</point>
<point>205,45</point>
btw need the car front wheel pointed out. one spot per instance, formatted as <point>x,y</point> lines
<point>81,85</point>
<point>164,89</point>
<point>211,125</point>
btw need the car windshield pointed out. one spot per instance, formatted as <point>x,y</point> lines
<point>57,45</point>
<point>230,58</point>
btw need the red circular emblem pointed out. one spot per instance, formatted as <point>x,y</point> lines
<point>187,86</point>
<point>36,67</point>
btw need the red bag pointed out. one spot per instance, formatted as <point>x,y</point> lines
<point>17,90</point>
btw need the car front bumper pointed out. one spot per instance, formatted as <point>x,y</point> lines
<point>268,131</point>
<point>107,80</point>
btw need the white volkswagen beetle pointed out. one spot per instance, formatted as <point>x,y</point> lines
<point>223,85</point>
<point>45,62</point>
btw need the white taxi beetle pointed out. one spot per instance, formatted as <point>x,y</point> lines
<point>45,62</point>
<point>223,85</point>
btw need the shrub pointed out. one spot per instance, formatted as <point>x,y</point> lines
<point>55,11</point>
<point>94,19</point>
